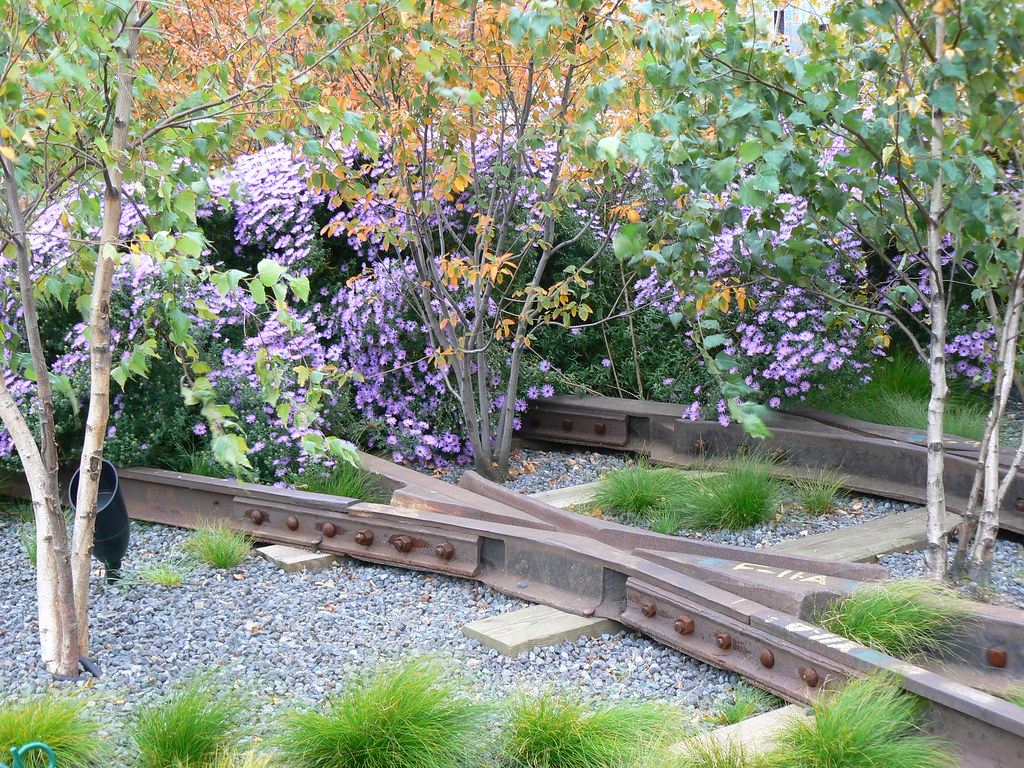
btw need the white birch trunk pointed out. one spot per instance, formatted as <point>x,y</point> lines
<point>99,334</point>
<point>935,554</point>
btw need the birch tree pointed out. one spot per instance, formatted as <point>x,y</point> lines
<point>80,125</point>
<point>899,126</point>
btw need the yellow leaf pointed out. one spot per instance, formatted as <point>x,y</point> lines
<point>9,153</point>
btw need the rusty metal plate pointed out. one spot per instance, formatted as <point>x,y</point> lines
<point>409,546</point>
<point>786,670</point>
<point>605,430</point>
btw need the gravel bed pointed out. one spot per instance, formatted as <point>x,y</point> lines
<point>299,636</point>
<point>1007,571</point>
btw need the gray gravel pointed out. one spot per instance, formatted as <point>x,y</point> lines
<point>301,636</point>
<point>1007,571</point>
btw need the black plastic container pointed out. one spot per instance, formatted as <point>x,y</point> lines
<point>110,540</point>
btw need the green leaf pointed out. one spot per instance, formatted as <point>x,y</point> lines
<point>269,271</point>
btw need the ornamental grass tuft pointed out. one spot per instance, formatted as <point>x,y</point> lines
<point>638,494</point>
<point>58,719</point>
<point>557,730</point>
<point>747,701</point>
<point>745,494</point>
<point>163,573</point>
<point>29,541</point>
<point>901,618</point>
<point>704,752</point>
<point>869,723</point>
<point>191,726</point>
<point>218,546</point>
<point>343,479</point>
<point>412,715</point>
<point>819,495</point>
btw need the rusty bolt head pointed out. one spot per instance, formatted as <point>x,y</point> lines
<point>767,658</point>
<point>777,455</point>
<point>742,450</point>
<point>364,538</point>
<point>723,640</point>
<point>445,550</point>
<point>809,675</point>
<point>567,425</point>
<point>257,516</point>
<point>1020,505</point>
<point>402,543</point>
<point>330,530</point>
<point>698,447</point>
<point>996,656</point>
<point>600,428</point>
<point>292,522</point>
<point>684,625</point>
<point>650,610</point>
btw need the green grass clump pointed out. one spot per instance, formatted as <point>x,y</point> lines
<point>746,494</point>
<point>29,542</point>
<point>704,752</point>
<point>818,496</point>
<point>343,479</point>
<point>192,726</point>
<point>412,715</point>
<point>163,573</point>
<point>218,546</point>
<point>747,701</point>
<point>638,494</point>
<point>20,509</point>
<point>56,719</point>
<point>869,723</point>
<point>898,395</point>
<point>900,618</point>
<point>565,731</point>
<point>200,463</point>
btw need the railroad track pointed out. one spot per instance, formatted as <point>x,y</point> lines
<point>739,609</point>
<point>876,459</point>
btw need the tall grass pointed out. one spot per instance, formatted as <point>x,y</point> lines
<point>898,395</point>
<point>707,752</point>
<point>746,494</point>
<point>869,723</point>
<point>638,494</point>
<point>60,720</point>
<point>200,463</point>
<point>819,495</point>
<point>901,618</point>
<point>163,573</point>
<point>192,726</point>
<point>343,479</point>
<point>218,546</point>
<point>553,730</point>
<point>412,715</point>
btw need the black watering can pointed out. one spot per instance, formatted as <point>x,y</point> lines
<point>110,540</point>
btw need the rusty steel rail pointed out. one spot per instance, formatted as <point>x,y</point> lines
<point>745,610</point>
<point>876,459</point>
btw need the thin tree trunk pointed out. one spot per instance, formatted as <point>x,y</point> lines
<point>99,334</point>
<point>58,632</point>
<point>935,555</point>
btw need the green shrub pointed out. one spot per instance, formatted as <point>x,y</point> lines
<point>818,496</point>
<point>191,726</point>
<point>900,618</point>
<point>343,479</point>
<point>638,494</point>
<point>744,495</point>
<point>57,719</point>
<point>747,701</point>
<point>218,546</point>
<point>565,731</point>
<point>869,723</point>
<point>412,715</point>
